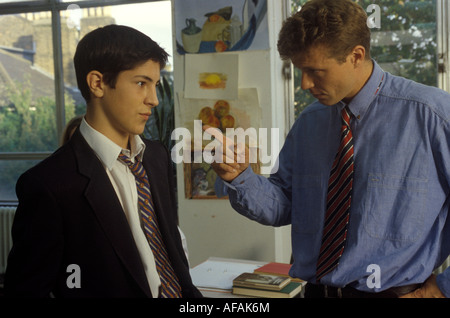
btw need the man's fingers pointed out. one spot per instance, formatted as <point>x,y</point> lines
<point>228,143</point>
<point>231,168</point>
<point>230,147</point>
<point>216,133</point>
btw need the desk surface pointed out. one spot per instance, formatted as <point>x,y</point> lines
<point>214,277</point>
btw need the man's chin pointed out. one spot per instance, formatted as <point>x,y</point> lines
<point>326,102</point>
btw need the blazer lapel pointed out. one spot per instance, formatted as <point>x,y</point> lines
<point>156,175</point>
<point>104,202</point>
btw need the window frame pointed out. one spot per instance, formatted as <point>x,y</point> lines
<point>443,41</point>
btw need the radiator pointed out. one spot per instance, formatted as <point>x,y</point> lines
<point>6,220</point>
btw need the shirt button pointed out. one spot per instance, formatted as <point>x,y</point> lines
<point>141,185</point>
<point>146,201</point>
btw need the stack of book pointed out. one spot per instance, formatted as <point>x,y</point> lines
<point>277,269</point>
<point>263,285</point>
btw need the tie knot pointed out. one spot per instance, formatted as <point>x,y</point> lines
<point>136,168</point>
<point>124,158</point>
<point>345,114</point>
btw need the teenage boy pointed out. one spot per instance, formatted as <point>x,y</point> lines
<point>86,226</point>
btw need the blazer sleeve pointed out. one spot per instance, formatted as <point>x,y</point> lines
<point>35,258</point>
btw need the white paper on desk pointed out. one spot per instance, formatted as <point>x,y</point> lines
<point>219,274</point>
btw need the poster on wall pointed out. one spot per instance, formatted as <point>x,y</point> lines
<point>210,26</point>
<point>211,76</point>
<point>244,112</point>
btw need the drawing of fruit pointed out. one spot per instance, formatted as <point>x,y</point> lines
<point>207,117</point>
<point>213,121</point>
<point>221,108</point>
<point>205,112</point>
<point>212,80</point>
<point>219,116</point>
<point>227,122</point>
<point>220,46</point>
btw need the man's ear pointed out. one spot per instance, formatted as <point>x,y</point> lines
<point>358,55</point>
<point>95,83</point>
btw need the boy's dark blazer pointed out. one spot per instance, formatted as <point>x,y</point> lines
<point>69,213</point>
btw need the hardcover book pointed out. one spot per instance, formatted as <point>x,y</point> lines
<point>278,269</point>
<point>290,291</point>
<point>261,281</point>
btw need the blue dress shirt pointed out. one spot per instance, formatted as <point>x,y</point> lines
<point>400,202</point>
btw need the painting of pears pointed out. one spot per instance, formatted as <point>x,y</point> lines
<point>217,116</point>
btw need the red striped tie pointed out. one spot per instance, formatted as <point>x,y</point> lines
<point>338,202</point>
<point>170,287</point>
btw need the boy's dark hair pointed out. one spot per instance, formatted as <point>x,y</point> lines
<point>338,25</point>
<point>111,50</point>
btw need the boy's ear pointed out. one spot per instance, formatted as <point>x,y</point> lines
<point>95,83</point>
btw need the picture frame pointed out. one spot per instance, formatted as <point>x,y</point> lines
<point>200,178</point>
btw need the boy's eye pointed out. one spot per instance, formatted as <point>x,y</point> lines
<point>140,83</point>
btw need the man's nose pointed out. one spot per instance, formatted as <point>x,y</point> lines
<point>307,81</point>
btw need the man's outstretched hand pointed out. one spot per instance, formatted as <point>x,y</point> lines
<point>235,157</point>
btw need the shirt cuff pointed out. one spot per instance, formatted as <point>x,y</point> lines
<point>221,187</point>
<point>240,179</point>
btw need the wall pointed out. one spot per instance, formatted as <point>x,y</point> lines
<point>212,227</point>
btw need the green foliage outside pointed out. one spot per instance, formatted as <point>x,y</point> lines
<point>26,125</point>
<point>415,59</point>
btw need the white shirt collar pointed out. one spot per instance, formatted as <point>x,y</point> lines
<point>108,151</point>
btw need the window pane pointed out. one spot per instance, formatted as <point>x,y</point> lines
<point>404,45</point>
<point>10,171</point>
<point>27,90</point>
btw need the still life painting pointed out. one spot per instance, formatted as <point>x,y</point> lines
<point>212,26</point>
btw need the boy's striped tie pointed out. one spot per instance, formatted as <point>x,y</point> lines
<point>170,287</point>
